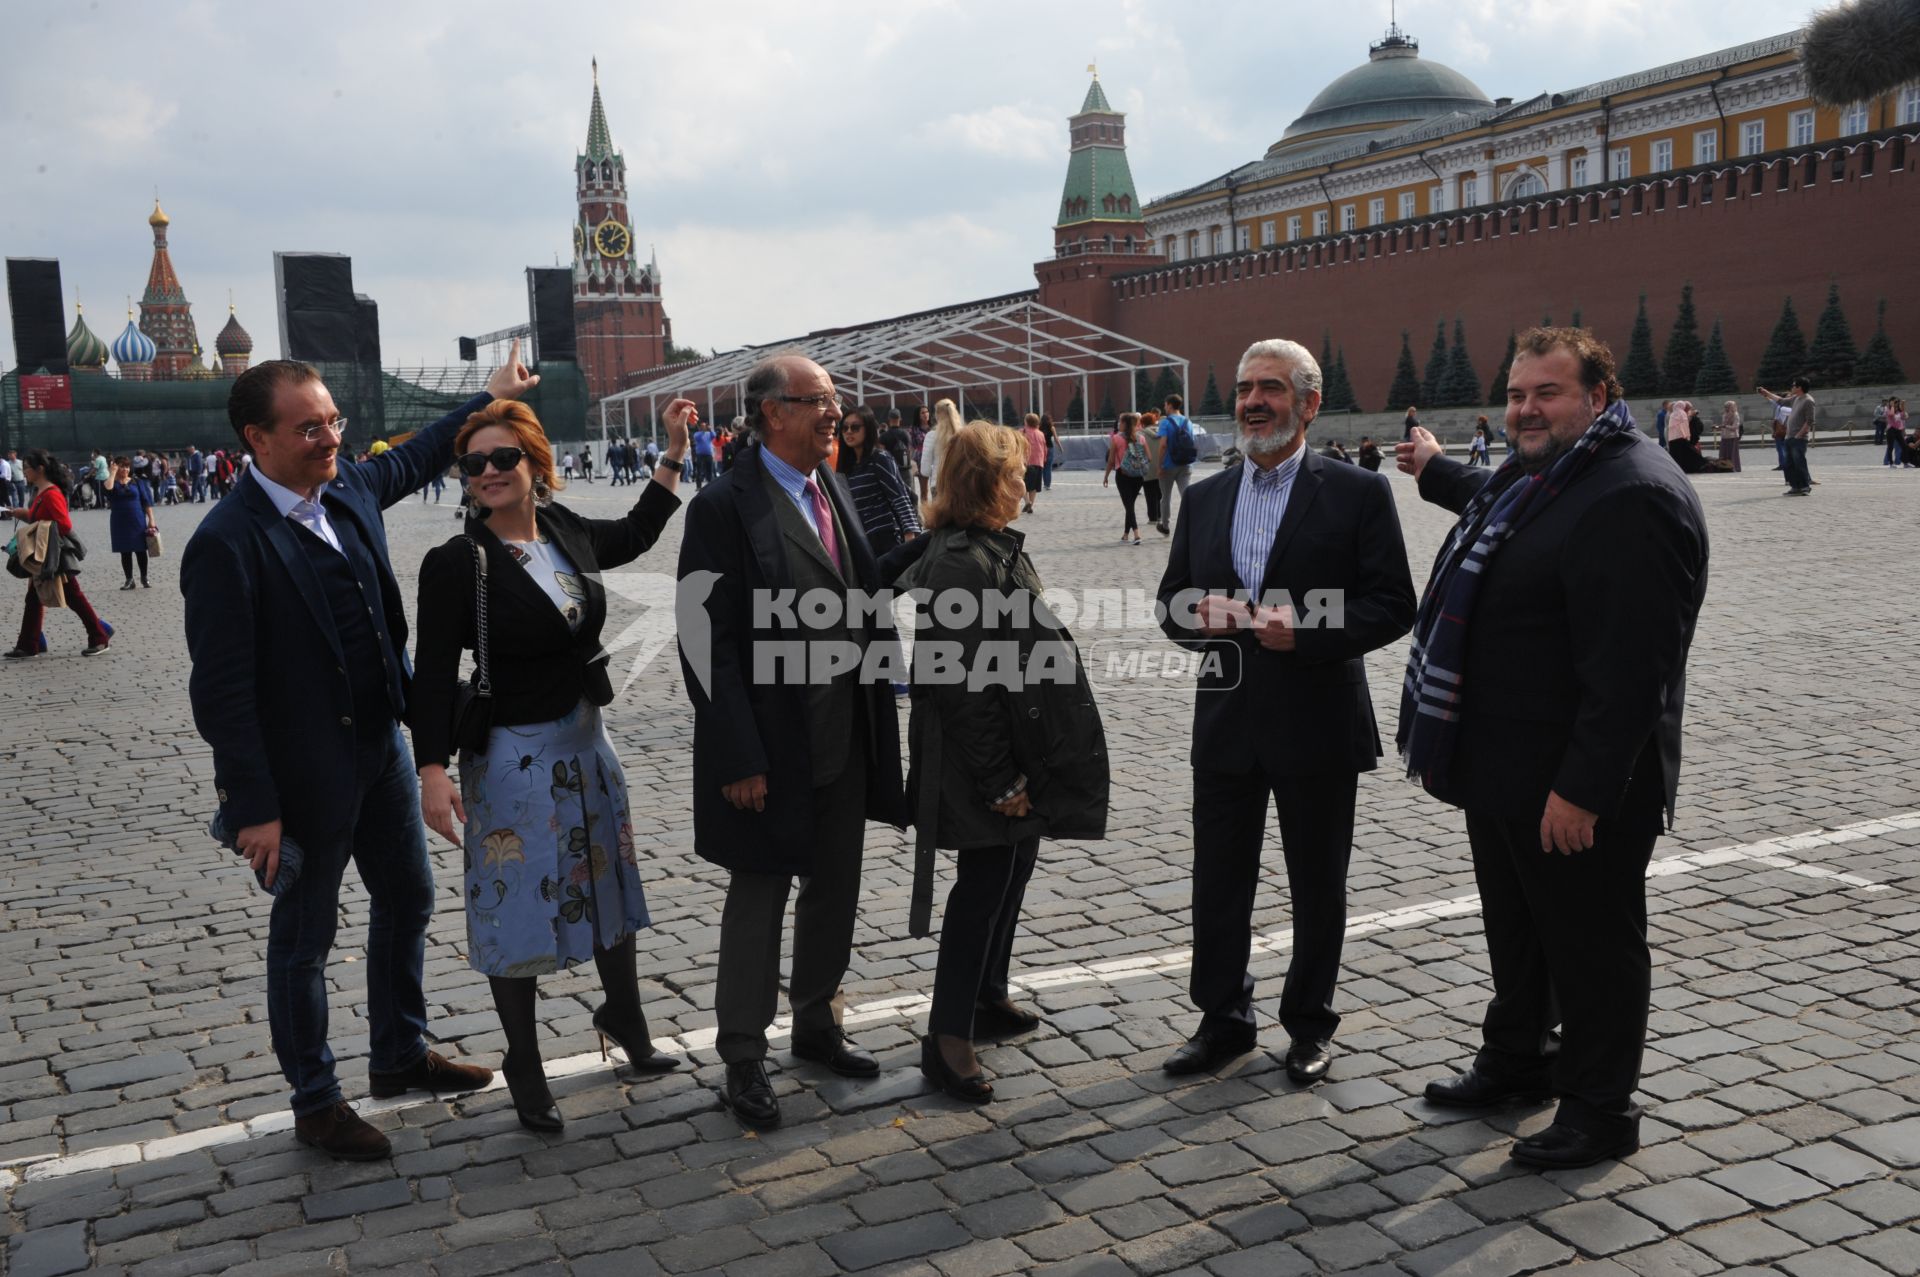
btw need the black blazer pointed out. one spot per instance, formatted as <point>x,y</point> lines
<point>269,683</point>
<point>1308,710</point>
<point>539,668</point>
<point>731,549</point>
<point>1575,677</point>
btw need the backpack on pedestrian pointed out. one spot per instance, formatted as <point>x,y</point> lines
<point>1181,450</point>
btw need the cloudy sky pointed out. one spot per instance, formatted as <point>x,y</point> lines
<point>865,160</point>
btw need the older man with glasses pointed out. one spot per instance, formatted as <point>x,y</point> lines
<point>788,765</point>
<point>299,682</point>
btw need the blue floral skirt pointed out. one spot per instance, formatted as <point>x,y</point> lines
<point>550,863</point>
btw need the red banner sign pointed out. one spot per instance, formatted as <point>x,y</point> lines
<point>40,394</point>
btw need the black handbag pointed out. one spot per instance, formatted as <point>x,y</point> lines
<point>473,699</point>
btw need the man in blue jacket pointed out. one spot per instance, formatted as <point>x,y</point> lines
<point>299,683</point>
<point>1178,452</point>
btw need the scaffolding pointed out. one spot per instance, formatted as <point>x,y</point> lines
<point>1003,344</point>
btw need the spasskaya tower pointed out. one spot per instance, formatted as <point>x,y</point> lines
<point>622,327</point>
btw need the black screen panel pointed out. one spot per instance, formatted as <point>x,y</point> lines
<point>33,296</point>
<point>550,307</point>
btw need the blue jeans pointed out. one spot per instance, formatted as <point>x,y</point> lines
<point>1780,451</point>
<point>389,848</point>
<point>1896,450</point>
<point>1796,463</point>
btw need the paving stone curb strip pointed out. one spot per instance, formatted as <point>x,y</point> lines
<point>143,1127</point>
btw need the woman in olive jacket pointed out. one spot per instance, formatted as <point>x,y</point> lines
<point>1006,753</point>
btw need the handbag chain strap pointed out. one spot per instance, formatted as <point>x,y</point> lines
<point>482,681</point>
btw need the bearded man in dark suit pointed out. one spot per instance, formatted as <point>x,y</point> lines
<point>1286,570</point>
<point>1544,695</point>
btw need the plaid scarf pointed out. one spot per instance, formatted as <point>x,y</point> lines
<point>1435,686</point>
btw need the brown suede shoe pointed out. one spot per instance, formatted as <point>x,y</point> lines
<point>434,1073</point>
<point>340,1132</point>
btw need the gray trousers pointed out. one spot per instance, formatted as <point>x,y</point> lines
<point>746,991</point>
<point>1170,478</point>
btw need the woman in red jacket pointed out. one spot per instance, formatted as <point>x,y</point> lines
<point>49,480</point>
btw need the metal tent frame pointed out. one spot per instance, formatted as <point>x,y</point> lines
<point>1002,342</point>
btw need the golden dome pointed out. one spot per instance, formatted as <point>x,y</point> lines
<point>159,218</point>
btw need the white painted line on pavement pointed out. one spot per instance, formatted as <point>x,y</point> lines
<point>1766,852</point>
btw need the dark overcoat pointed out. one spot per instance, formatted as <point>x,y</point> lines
<point>733,552</point>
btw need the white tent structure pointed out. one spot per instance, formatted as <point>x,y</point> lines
<point>1011,346</point>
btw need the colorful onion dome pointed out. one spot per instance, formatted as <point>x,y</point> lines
<point>84,350</point>
<point>133,346</point>
<point>233,339</point>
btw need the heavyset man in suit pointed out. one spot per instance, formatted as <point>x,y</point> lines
<point>786,771</point>
<point>1554,721</point>
<point>300,678</point>
<point>1312,550</point>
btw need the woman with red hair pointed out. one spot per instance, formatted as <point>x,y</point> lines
<point>552,874</point>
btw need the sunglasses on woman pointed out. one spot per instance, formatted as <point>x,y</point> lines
<point>474,464</point>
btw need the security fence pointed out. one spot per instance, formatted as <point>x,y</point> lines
<point>115,415</point>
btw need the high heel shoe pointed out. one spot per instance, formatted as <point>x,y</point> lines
<point>641,1055</point>
<point>974,1090</point>
<point>532,1100</point>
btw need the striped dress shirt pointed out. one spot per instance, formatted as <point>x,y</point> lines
<point>1256,517</point>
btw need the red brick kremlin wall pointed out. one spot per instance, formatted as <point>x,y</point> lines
<point>617,339</point>
<point>1743,253</point>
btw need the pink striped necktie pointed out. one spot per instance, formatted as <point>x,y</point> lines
<point>823,520</point>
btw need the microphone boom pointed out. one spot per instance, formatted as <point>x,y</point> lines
<point>1860,50</point>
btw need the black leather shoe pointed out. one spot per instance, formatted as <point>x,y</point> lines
<point>532,1099</point>
<point>974,1090</point>
<point>750,1095</point>
<point>1475,1090</point>
<point>838,1054</point>
<point>1204,1052</point>
<point>1307,1060</point>
<point>1001,1020</point>
<point>1563,1147</point>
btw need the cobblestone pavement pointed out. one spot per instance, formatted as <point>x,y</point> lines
<point>142,1119</point>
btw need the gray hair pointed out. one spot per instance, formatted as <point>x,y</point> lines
<point>1304,368</point>
<point>766,380</point>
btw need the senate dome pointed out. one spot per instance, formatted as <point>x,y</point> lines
<point>1393,88</point>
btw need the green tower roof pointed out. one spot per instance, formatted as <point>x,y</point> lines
<point>599,139</point>
<point>1096,174</point>
<point>1099,182</point>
